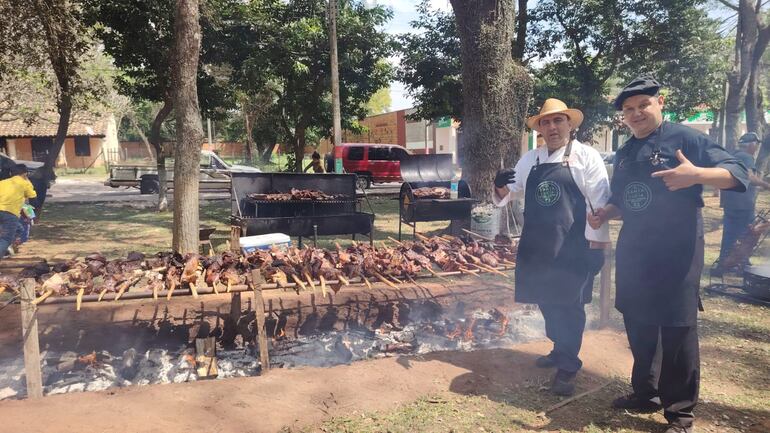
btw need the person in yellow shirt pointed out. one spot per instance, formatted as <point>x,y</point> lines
<point>13,192</point>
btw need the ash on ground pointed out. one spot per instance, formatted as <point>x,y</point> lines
<point>97,371</point>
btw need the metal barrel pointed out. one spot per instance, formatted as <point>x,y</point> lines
<point>427,168</point>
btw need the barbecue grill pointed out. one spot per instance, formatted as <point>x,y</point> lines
<point>430,171</point>
<point>300,218</point>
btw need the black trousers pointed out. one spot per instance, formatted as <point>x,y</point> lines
<point>666,365</point>
<point>564,325</point>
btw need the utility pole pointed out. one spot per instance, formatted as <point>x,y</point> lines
<point>336,111</point>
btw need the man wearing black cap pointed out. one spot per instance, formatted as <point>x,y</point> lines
<point>657,183</point>
<point>739,206</point>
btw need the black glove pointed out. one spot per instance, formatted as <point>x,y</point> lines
<point>504,177</point>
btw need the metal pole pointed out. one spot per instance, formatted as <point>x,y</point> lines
<point>335,75</point>
<point>208,125</point>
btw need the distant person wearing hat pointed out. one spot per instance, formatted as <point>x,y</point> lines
<point>657,184</point>
<point>13,192</point>
<point>558,255</point>
<point>739,206</point>
<point>315,163</point>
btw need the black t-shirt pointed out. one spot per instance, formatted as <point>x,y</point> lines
<point>696,146</point>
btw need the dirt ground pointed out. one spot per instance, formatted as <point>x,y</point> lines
<point>296,398</point>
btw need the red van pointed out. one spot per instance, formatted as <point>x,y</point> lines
<point>373,163</point>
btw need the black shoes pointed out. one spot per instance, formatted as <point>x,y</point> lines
<point>546,361</point>
<point>635,404</point>
<point>563,383</point>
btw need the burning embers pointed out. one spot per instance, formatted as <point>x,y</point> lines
<point>293,267</point>
<point>297,195</point>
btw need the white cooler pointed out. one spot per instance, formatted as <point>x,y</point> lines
<point>264,242</point>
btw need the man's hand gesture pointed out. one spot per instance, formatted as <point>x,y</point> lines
<point>685,175</point>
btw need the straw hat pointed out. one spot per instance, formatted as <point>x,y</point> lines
<point>555,106</point>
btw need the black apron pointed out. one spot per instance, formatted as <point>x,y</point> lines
<point>659,255</point>
<point>554,264</point>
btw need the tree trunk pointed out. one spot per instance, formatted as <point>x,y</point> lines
<point>522,19</point>
<point>495,91</point>
<point>160,156</point>
<point>755,110</point>
<point>299,148</point>
<point>746,36</point>
<point>189,132</point>
<point>132,118</point>
<point>248,126</point>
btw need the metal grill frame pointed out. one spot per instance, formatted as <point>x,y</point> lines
<point>300,218</point>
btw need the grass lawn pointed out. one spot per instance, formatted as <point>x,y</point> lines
<point>67,230</point>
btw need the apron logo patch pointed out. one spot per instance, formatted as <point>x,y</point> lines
<point>637,196</point>
<point>547,193</point>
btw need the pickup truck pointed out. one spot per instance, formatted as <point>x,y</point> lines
<point>214,174</point>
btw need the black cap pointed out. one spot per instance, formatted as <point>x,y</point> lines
<point>641,85</point>
<point>748,137</point>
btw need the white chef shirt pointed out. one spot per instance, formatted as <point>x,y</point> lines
<point>587,168</point>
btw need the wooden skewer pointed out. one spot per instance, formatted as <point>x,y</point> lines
<point>396,279</point>
<point>490,269</point>
<point>343,280</point>
<point>155,292</point>
<point>478,235</point>
<point>323,285</point>
<point>122,289</point>
<point>79,300</point>
<point>215,287</point>
<point>385,280</point>
<point>193,290</point>
<point>432,272</point>
<point>421,237</point>
<point>508,262</point>
<point>229,285</point>
<point>101,295</point>
<point>468,271</point>
<point>171,289</point>
<point>367,282</point>
<point>42,297</point>
<point>298,281</point>
<point>310,280</point>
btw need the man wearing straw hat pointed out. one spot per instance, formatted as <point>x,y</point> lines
<point>558,255</point>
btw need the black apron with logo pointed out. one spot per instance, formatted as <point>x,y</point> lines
<point>659,255</point>
<point>554,264</point>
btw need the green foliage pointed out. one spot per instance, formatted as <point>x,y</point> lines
<point>597,40</point>
<point>692,67</point>
<point>379,102</point>
<point>144,112</point>
<point>430,65</point>
<point>138,34</point>
<point>293,60</point>
<point>585,49</point>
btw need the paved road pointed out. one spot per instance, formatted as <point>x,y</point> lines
<point>90,190</point>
